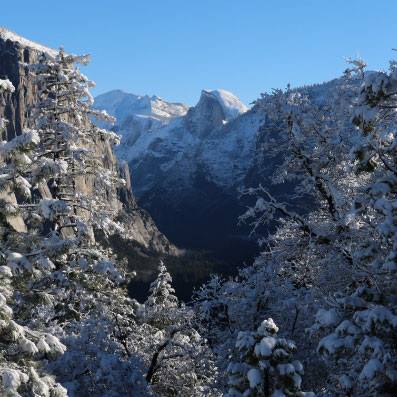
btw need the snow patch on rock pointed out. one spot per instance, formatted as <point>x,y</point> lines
<point>6,34</point>
<point>231,105</point>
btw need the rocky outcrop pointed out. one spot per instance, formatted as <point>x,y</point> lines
<point>15,106</point>
<point>214,109</point>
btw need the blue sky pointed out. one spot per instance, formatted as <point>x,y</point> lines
<point>174,48</point>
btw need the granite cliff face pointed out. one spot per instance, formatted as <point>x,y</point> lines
<point>15,53</point>
<point>15,106</point>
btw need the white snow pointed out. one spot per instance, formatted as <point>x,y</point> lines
<point>12,378</point>
<point>136,115</point>
<point>43,346</point>
<point>254,377</point>
<point>123,105</point>
<point>327,318</point>
<point>268,325</point>
<point>107,267</point>
<point>54,343</point>
<point>27,139</point>
<point>265,347</point>
<point>18,262</point>
<point>5,271</point>
<point>6,34</point>
<point>231,105</point>
<point>286,369</point>
<point>245,340</point>
<point>45,263</point>
<point>52,207</point>
<point>3,300</point>
<point>370,369</point>
<point>6,85</point>
<point>27,346</point>
<point>332,343</point>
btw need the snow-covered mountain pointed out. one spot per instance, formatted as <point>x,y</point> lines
<point>187,164</point>
<point>137,114</point>
<point>210,135</point>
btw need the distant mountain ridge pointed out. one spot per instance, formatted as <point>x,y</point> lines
<point>138,113</point>
<point>178,133</point>
<point>123,105</point>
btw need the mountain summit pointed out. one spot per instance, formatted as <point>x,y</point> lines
<point>214,109</point>
<point>231,105</point>
<point>122,105</point>
<point>137,114</point>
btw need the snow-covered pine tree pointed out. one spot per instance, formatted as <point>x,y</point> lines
<point>66,165</point>
<point>161,305</point>
<point>223,308</point>
<point>178,359</point>
<point>23,351</point>
<point>66,282</point>
<point>363,318</point>
<point>67,134</point>
<point>85,293</point>
<point>265,365</point>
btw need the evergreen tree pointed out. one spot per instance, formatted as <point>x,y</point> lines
<point>179,361</point>
<point>68,136</point>
<point>24,351</point>
<point>161,305</point>
<point>63,280</point>
<point>265,366</point>
<point>68,207</point>
<point>86,291</point>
